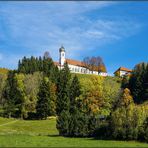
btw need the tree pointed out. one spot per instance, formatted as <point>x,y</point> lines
<point>138,83</point>
<point>145,125</point>
<point>126,98</point>
<point>20,96</point>
<point>3,78</point>
<point>125,81</point>
<point>86,62</point>
<point>31,65</point>
<point>122,117</point>
<point>53,98</point>
<point>91,94</point>
<point>63,101</point>
<point>128,118</point>
<point>63,87</point>
<point>63,123</point>
<point>74,110</point>
<point>47,55</point>
<point>74,92</point>
<point>110,94</point>
<point>145,84</point>
<point>94,64</point>
<point>10,95</point>
<point>43,106</point>
<point>102,68</point>
<point>32,83</point>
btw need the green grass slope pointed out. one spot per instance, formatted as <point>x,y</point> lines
<point>41,133</point>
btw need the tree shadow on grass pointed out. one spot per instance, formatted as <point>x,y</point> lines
<point>88,138</point>
<point>53,135</point>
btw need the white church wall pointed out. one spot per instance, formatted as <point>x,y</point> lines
<point>103,74</point>
<point>77,69</point>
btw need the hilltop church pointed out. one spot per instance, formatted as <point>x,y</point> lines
<point>74,65</point>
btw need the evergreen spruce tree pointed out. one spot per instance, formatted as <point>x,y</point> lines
<point>63,101</point>
<point>43,106</point>
<point>52,100</point>
<point>10,94</point>
<point>20,96</point>
<point>145,84</point>
<point>63,87</point>
<point>74,92</point>
<point>63,123</point>
<point>74,110</point>
<point>40,63</point>
<point>138,83</point>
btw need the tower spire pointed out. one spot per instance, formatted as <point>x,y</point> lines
<point>62,55</point>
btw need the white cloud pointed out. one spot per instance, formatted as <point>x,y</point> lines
<point>40,26</point>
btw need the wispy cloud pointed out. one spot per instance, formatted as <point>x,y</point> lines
<point>34,27</point>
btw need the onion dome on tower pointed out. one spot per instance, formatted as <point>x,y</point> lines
<point>62,49</point>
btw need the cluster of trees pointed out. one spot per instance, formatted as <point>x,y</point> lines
<point>43,64</point>
<point>82,103</point>
<point>94,64</point>
<point>85,105</point>
<point>129,119</point>
<point>103,111</point>
<point>73,118</point>
<point>138,83</point>
<point>23,91</point>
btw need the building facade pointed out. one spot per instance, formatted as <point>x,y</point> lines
<point>122,71</point>
<point>74,65</point>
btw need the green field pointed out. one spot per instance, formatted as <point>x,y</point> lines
<point>39,133</point>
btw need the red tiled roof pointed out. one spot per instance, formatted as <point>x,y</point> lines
<point>75,62</point>
<point>123,69</point>
<point>72,62</point>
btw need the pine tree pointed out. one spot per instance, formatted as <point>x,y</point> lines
<point>63,123</point>
<point>145,85</point>
<point>74,110</point>
<point>10,94</point>
<point>138,83</point>
<point>52,100</point>
<point>74,93</point>
<point>21,99</point>
<point>43,106</point>
<point>63,101</point>
<point>63,86</point>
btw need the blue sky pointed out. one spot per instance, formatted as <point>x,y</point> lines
<point>116,31</point>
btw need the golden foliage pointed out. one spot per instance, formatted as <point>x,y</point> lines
<point>91,96</point>
<point>3,71</point>
<point>126,98</point>
<point>102,68</point>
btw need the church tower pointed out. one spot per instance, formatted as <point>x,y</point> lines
<point>62,56</point>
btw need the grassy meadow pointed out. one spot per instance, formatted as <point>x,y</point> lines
<point>41,133</point>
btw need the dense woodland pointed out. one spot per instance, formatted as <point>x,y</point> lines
<point>85,105</point>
